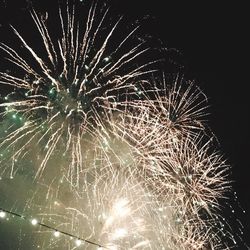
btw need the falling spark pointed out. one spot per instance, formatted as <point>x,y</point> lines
<point>103,147</point>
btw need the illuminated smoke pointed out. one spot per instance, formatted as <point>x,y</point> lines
<point>101,148</point>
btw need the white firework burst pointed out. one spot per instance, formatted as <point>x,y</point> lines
<point>102,150</point>
<point>67,92</point>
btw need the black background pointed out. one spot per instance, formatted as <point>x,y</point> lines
<point>212,40</point>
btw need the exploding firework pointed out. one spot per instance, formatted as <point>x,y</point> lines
<point>104,148</point>
<point>62,98</point>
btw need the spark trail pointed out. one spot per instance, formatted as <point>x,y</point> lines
<point>68,92</point>
<point>102,146</point>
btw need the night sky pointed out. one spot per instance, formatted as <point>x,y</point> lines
<point>213,45</point>
<point>212,48</point>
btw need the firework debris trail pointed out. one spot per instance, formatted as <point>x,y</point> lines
<point>109,151</point>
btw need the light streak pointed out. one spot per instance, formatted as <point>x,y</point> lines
<point>105,148</point>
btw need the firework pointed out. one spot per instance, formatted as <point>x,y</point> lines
<point>102,147</point>
<point>67,93</point>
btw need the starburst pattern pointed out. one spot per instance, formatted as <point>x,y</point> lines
<point>108,150</point>
<point>65,95</point>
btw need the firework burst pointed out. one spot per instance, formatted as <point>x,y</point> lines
<point>102,146</point>
<point>67,93</point>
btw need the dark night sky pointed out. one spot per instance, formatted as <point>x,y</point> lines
<point>213,45</point>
